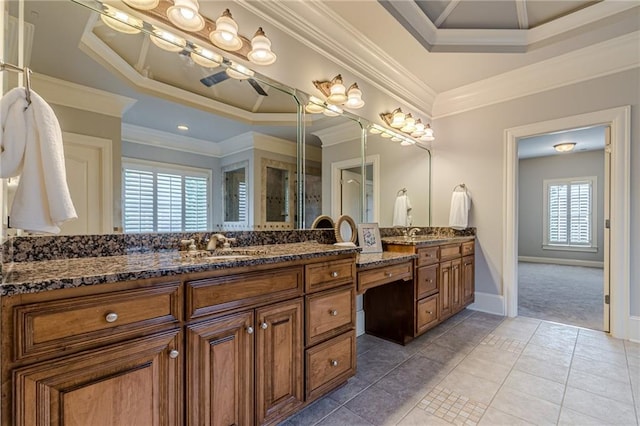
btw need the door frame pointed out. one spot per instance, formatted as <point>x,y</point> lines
<point>619,120</point>
<point>336,177</point>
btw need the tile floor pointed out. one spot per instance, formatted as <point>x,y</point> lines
<point>478,368</point>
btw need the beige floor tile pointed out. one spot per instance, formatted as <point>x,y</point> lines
<point>473,387</point>
<point>484,369</point>
<point>535,386</point>
<point>419,417</point>
<point>604,409</point>
<point>556,342</point>
<point>494,417</point>
<point>547,354</point>
<point>541,368</point>
<point>527,407</point>
<point>612,389</point>
<point>568,417</point>
<point>555,329</point>
<point>601,353</point>
<point>600,340</point>
<point>603,369</point>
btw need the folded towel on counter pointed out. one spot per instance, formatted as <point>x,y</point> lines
<point>459,214</point>
<point>401,209</point>
<point>31,142</point>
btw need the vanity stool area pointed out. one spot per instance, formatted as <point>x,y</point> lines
<point>415,284</point>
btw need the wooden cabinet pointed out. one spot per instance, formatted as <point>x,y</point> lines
<point>468,277</point>
<point>427,313</point>
<point>445,287</point>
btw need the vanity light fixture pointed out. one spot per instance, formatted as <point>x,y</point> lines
<point>261,53</point>
<point>332,111</point>
<point>121,21</point>
<point>336,93</point>
<point>185,15</point>
<point>142,4</point>
<point>168,41</point>
<point>205,57</point>
<point>408,125</point>
<point>225,36</point>
<point>239,71</point>
<point>564,147</point>
<point>314,106</point>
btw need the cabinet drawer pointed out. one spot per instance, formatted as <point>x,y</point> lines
<point>329,313</point>
<point>89,321</point>
<point>468,248</point>
<point>427,313</point>
<point>330,363</point>
<point>324,275</point>
<point>428,256</point>
<point>427,281</point>
<point>384,275</point>
<point>450,251</point>
<point>219,294</point>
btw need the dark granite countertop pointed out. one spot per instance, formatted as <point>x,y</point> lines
<point>34,277</point>
<point>425,240</point>
<point>368,260</point>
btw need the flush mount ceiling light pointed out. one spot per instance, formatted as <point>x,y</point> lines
<point>239,71</point>
<point>120,21</point>
<point>185,15</point>
<point>168,41</point>
<point>261,53</point>
<point>205,57</point>
<point>408,125</point>
<point>142,4</point>
<point>183,127</point>
<point>565,146</point>
<point>336,93</point>
<point>225,36</point>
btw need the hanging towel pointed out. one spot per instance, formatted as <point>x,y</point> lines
<point>401,211</point>
<point>459,214</point>
<point>31,142</point>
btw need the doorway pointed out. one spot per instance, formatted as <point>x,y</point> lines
<point>347,184</point>
<point>617,264</point>
<point>562,186</point>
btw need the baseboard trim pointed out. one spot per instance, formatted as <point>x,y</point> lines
<point>569,262</point>
<point>359,323</point>
<point>633,333</point>
<point>489,303</point>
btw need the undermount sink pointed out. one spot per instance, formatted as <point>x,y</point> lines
<point>227,257</point>
<point>222,254</point>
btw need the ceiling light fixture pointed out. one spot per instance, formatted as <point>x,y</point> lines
<point>183,127</point>
<point>120,21</point>
<point>564,147</point>
<point>142,4</point>
<point>205,57</point>
<point>225,36</point>
<point>168,41</point>
<point>261,53</point>
<point>408,125</point>
<point>185,15</point>
<point>336,93</point>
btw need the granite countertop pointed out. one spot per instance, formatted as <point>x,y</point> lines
<point>34,277</point>
<point>425,240</point>
<point>380,259</point>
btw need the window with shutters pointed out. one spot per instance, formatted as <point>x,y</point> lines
<point>570,214</point>
<point>159,197</point>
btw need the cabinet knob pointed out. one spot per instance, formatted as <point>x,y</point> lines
<point>264,325</point>
<point>111,317</point>
<point>429,281</point>
<point>333,312</point>
<point>174,354</point>
<point>249,330</point>
<point>334,274</point>
<point>334,362</point>
<point>430,313</point>
<point>388,274</point>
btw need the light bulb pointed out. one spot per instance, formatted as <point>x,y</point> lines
<point>184,15</point>
<point>397,119</point>
<point>354,97</point>
<point>187,14</point>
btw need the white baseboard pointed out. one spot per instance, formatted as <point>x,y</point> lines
<point>569,262</point>
<point>489,303</point>
<point>359,323</point>
<point>633,333</point>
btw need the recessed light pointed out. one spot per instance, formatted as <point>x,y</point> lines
<point>183,127</point>
<point>564,147</point>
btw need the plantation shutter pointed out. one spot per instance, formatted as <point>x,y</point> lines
<point>570,212</point>
<point>169,202</point>
<point>138,206</point>
<point>242,201</point>
<point>558,214</point>
<point>196,207</point>
<point>580,213</point>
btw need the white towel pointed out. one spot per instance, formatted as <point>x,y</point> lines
<point>459,214</point>
<point>31,140</point>
<point>401,210</point>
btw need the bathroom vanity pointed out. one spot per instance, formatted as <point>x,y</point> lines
<point>169,339</point>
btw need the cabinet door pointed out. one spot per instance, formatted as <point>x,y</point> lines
<point>220,371</point>
<point>457,289</point>
<point>279,373</point>
<point>444,284</point>
<point>468,279</point>
<point>135,383</point>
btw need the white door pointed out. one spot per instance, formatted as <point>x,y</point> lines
<point>351,200</point>
<point>88,166</point>
<point>607,233</point>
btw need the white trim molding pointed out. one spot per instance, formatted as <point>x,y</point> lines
<point>634,329</point>
<point>619,268</point>
<point>490,303</point>
<point>153,137</point>
<point>556,261</point>
<point>343,132</point>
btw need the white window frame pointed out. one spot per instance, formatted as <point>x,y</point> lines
<point>160,167</point>
<point>593,247</point>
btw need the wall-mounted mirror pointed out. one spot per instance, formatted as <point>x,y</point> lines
<point>235,194</point>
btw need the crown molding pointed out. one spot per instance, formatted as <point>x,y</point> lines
<point>66,93</point>
<point>601,59</point>
<point>334,135</point>
<point>237,144</point>
<point>152,137</point>
<point>320,28</point>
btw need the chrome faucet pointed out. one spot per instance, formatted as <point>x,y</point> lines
<point>219,238</point>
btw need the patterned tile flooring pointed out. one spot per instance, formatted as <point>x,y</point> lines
<point>482,369</point>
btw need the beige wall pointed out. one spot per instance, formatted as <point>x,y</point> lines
<point>470,149</point>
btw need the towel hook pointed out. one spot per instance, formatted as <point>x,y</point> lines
<point>402,191</point>
<point>27,76</point>
<point>462,186</point>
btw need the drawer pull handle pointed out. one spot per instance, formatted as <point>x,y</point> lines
<point>334,362</point>
<point>389,274</point>
<point>111,317</point>
<point>264,325</point>
<point>333,312</point>
<point>249,330</point>
<point>334,274</point>
<point>174,354</point>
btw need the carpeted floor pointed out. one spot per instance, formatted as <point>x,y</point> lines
<point>565,294</point>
